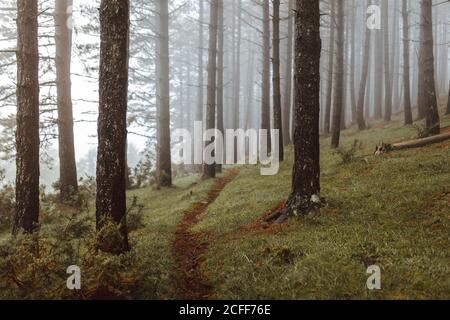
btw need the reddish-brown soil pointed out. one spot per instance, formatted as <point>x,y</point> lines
<point>189,248</point>
<point>261,226</point>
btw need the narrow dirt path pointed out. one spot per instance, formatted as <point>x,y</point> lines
<point>188,248</point>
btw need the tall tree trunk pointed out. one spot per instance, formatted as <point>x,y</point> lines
<point>378,112</point>
<point>220,68</point>
<point>427,99</point>
<point>27,135</point>
<point>287,102</point>
<point>406,65</point>
<point>352,63</point>
<point>331,54</point>
<point>387,65</point>
<point>237,70</point>
<point>209,170</point>
<point>250,89</point>
<point>63,42</point>
<point>277,120</point>
<point>112,119</point>
<point>363,83</point>
<point>164,161</point>
<point>305,194</point>
<point>395,56</point>
<point>339,76</point>
<point>265,101</point>
<point>199,111</point>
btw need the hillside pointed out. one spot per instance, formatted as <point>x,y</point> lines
<point>207,239</point>
<point>390,210</point>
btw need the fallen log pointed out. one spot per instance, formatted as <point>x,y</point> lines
<point>418,143</point>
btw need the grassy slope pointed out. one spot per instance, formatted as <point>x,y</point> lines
<point>164,210</point>
<point>390,210</point>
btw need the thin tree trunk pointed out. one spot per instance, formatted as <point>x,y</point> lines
<point>406,65</point>
<point>277,117</point>
<point>237,71</point>
<point>250,90</point>
<point>387,65</point>
<point>112,120</point>
<point>305,195</point>
<point>164,161</point>
<point>339,76</point>
<point>265,106</point>
<point>378,112</point>
<point>331,54</point>
<point>427,89</point>
<point>199,111</point>
<point>352,64</point>
<point>209,170</point>
<point>220,68</point>
<point>68,181</point>
<point>27,134</point>
<point>363,83</point>
<point>288,83</point>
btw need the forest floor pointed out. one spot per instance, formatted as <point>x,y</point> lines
<point>392,211</point>
<point>206,239</point>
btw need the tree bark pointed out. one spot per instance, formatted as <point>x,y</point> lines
<point>220,68</point>
<point>352,64</point>
<point>112,120</point>
<point>448,101</point>
<point>265,101</point>
<point>287,102</point>
<point>339,76</point>
<point>27,135</point>
<point>378,112</point>
<point>363,83</point>
<point>331,54</point>
<point>209,170</point>
<point>63,41</point>
<point>277,117</point>
<point>427,99</point>
<point>305,194</point>
<point>406,65</point>
<point>199,111</point>
<point>164,161</point>
<point>387,65</point>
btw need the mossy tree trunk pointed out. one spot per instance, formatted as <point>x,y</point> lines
<point>305,195</point>
<point>112,121</point>
<point>27,134</point>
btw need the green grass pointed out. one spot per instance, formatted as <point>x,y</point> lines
<point>163,210</point>
<point>390,210</point>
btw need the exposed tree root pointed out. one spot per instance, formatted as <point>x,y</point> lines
<point>295,206</point>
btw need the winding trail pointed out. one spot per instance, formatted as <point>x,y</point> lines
<point>189,248</point>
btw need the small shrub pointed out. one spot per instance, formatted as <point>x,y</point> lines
<point>348,155</point>
<point>135,215</point>
<point>422,130</point>
<point>7,204</point>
